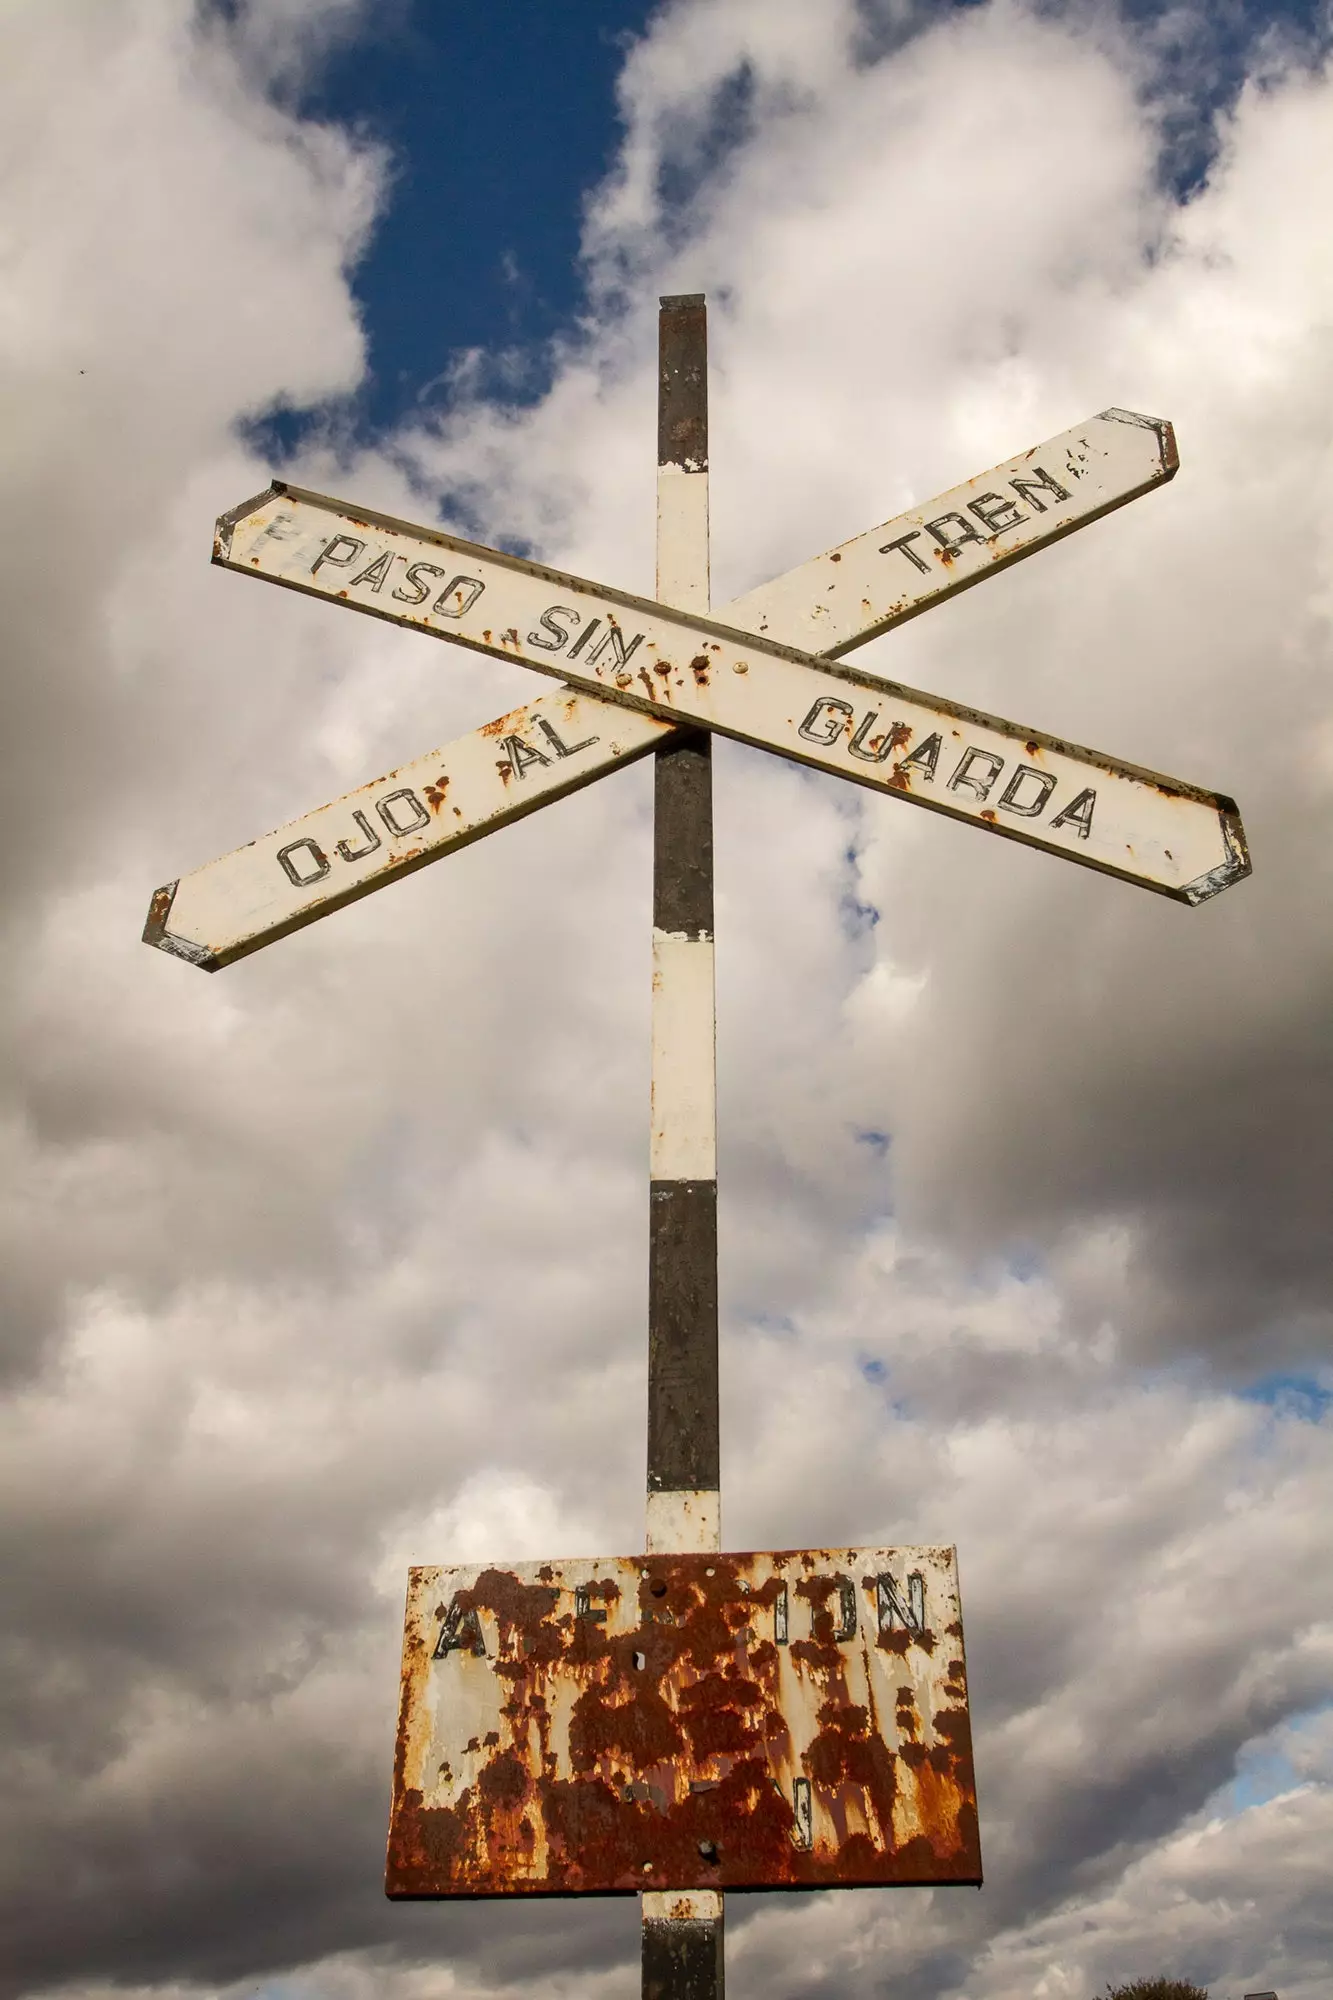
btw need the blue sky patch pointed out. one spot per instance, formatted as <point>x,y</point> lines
<point>500,124</point>
<point>1292,1395</point>
<point>1266,1768</point>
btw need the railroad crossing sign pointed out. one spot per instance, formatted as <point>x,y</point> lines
<point>640,667</point>
<point>687,1721</point>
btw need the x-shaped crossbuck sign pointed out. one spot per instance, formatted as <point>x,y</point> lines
<point>765,669</point>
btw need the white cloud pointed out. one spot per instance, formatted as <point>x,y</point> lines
<point>336,1261</point>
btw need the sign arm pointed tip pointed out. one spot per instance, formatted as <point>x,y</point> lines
<point>159,909</point>
<point>228,522</point>
<point>155,932</point>
<point>1233,869</point>
<point>1166,436</point>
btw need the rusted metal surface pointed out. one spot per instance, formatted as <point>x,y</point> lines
<point>1002,777</point>
<point>705,1721</point>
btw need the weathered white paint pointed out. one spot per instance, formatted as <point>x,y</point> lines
<point>438,803</point>
<point>895,571</point>
<point>680,1522</point>
<point>244,900</point>
<point>682,538</point>
<point>691,1906</point>
<point>474,1633</point>
<point>998,775</point>
<point>684,1120</point>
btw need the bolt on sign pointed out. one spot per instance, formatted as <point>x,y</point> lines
<point>704,1721</point>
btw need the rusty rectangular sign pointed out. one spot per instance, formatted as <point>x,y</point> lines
<point>600,1727</point>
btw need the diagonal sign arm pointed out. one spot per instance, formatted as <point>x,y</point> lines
<point>396,824</point>
<point>519,762</point>
<point>880,579</point>
<point>830,605</point>
<point>548,748</point>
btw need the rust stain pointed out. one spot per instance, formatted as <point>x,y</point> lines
<point>650,1722</point>
<point>435,793</point>
<point>513,722</point>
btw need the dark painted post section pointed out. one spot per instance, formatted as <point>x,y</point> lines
<point>682,1961</point>
<point>682,1257</point>
<point>682,1931</point>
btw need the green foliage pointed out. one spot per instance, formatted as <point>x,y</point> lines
<point>1157,1989</point>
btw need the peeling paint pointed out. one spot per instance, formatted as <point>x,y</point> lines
<point>657,1722</point>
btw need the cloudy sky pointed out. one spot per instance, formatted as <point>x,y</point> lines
<point>336,1261</point>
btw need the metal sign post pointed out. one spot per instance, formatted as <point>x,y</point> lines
<point>682,1931</point>
<point>683,1722</point>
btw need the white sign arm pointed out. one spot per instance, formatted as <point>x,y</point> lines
<point>522,760</point>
